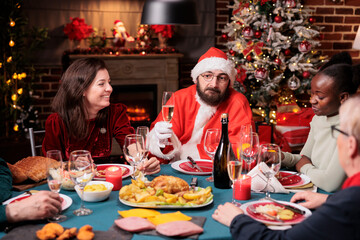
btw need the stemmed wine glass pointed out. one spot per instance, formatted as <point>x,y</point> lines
<point>234,165</point>
<point>54,174</point>
<point>269,162</point>
<point>135,151</point>
<point>143,131</point>
<point>81,171</point>
<point>168,104</point>
<point>250,148</point>
<point>211,142</point>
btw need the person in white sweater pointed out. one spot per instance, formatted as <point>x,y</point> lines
<point>330,87</point>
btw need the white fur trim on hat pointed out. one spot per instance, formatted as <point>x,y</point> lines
<point>214,63</point>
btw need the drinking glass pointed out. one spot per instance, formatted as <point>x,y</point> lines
<point>234,166</point>
<point>134,151</point>
<point>269,162</point>
<point>250,148</point>
<point>143,131</point>
<point>211,142</point>
<point>168,104</point>
<point>54,174</point>
<point>81,171</point>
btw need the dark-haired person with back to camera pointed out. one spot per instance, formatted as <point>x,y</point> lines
<point>336,81</point>
<point>84,118</point>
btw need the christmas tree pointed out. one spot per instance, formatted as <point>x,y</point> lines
<point>272,43</point>
<point>18,44</point>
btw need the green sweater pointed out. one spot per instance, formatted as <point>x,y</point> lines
<point>5,189</point>
<point>325,170</point>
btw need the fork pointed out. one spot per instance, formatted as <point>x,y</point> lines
<point>252,209</point>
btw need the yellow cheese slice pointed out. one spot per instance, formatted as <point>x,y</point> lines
<point>168,217</point>
<point>138,212</point>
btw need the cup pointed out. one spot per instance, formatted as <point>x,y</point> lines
<point>242,188</point>
<point>114,175</point>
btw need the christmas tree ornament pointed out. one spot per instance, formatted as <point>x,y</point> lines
<point>224,36</point>
<point>287,52</point>
<point>261,73</point>
<point>278,19</point>
<point>249,58</point>
<point>304,46</point>
<point>257,34</point>
<point>290,3</point>
<point>248,32</point>
<point>232,52</point>
<point>293,82</point>
<point>306,74</point>
<point>12,23</point>
<point>312,20</point>
<point>277,61</point>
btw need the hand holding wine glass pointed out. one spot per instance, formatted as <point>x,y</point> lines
<point>269,162</point>
<point>211,142</point>
<point>54,175</point>
<point>168,105</point>
<point>81,171</point>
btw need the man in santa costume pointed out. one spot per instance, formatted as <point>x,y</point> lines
<point>199,107</point>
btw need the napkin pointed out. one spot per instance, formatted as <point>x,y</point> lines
<point>258,181</point>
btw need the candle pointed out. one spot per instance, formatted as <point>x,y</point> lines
<point>114,175</point>
<point>242,188</point>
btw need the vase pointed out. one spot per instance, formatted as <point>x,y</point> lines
<point>162,40</point>
<point>75,44</point>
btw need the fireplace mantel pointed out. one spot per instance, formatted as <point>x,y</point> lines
<point>161,70</point>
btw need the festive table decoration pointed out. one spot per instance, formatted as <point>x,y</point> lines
<point>143,38</point>
<point>120,34</point>
<point>77,30</point>
<point>163,32</point>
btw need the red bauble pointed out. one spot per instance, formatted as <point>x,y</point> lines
<point>232,52</point>
<point>261,73</point>
<point>290,3</point>
<point>224,36</point>
<point>249,58</point>
<point>258,34</point>
<point>248,32</point>
<point>304,46</point>
<point>278,19</point>
<point>277,61</point>
<point>312,20</point>
<point>287,52</point>
<point>306,74</point>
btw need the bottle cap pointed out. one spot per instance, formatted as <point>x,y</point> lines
<point>224,117</point>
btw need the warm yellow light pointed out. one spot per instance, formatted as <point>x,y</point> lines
<point>11,43</point>
<point>9,59</point>
<point>19,76</point>
<point>15,76</point>
<point>0,64</point>
<point>12,23</point>
<point>14,97</point>
<point>20,91</point>
<point>295,110</point>
<point>8,82</point>
<point>23,75</point>
<point>16,127</point>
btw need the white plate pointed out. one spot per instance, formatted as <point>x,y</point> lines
<point>176,166</point>
<point>146,205</point>
<point>304,180</point>
<point>67,201</point>
<point>297,220</point>
<point>129,170</point>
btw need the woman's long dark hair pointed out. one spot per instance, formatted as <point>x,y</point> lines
<point>69,101</point>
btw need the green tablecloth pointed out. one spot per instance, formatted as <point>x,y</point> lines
<point>104,213</point>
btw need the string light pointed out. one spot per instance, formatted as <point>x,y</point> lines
<point>11,43</point>
<point>12,23</point>
<point>9,59</point>
<point>20,91</point>
<point>14,97</point>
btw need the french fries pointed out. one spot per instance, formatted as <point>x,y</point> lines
<point>138,192</point>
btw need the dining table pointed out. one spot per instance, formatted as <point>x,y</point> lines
<point>105,212</point>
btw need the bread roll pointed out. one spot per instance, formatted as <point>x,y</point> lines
<point>18,174</point>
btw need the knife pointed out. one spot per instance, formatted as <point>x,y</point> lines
<point>294,209</point>
<point>194,182</point>
<point>194,164</point>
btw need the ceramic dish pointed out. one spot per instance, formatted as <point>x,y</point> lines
<point>185,166</point>
<point>304,180</point>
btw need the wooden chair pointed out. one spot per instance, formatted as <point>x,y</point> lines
<point>36,137</point>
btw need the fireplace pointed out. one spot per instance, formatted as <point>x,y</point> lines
<point>141,102</point>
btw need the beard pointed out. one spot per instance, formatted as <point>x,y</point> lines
<point>214,99</point>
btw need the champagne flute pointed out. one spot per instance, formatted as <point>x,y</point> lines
<point>250,148</point>
<point>134,152</point>
<point>234,166</point>
<point>269,162</point>
<point>81,171</point>
<point>168,104</point>
<point>211,142</point>
<point>143,131</point>
<point>54,174</point>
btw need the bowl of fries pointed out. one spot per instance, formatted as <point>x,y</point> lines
<point>95,191</point>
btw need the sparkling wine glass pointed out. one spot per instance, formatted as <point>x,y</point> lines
<point>144,131</point>
<point>54,174</point>
<point>134,151</point>
<point>211,142</point>
<point>168,104</point>
<point>234,166</point>
<point>250,149</point>
<point>81,171</point>
<point>269,162</point>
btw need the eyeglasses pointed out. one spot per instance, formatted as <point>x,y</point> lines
<point>333,128</point>
<point>223,78</point>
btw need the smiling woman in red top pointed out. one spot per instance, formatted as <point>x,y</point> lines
<point>84,117</point>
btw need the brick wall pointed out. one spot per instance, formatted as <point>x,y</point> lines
<point>340,21</point>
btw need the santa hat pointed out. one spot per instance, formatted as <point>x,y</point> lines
<point>214,59</point>
<point>118,21</point>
